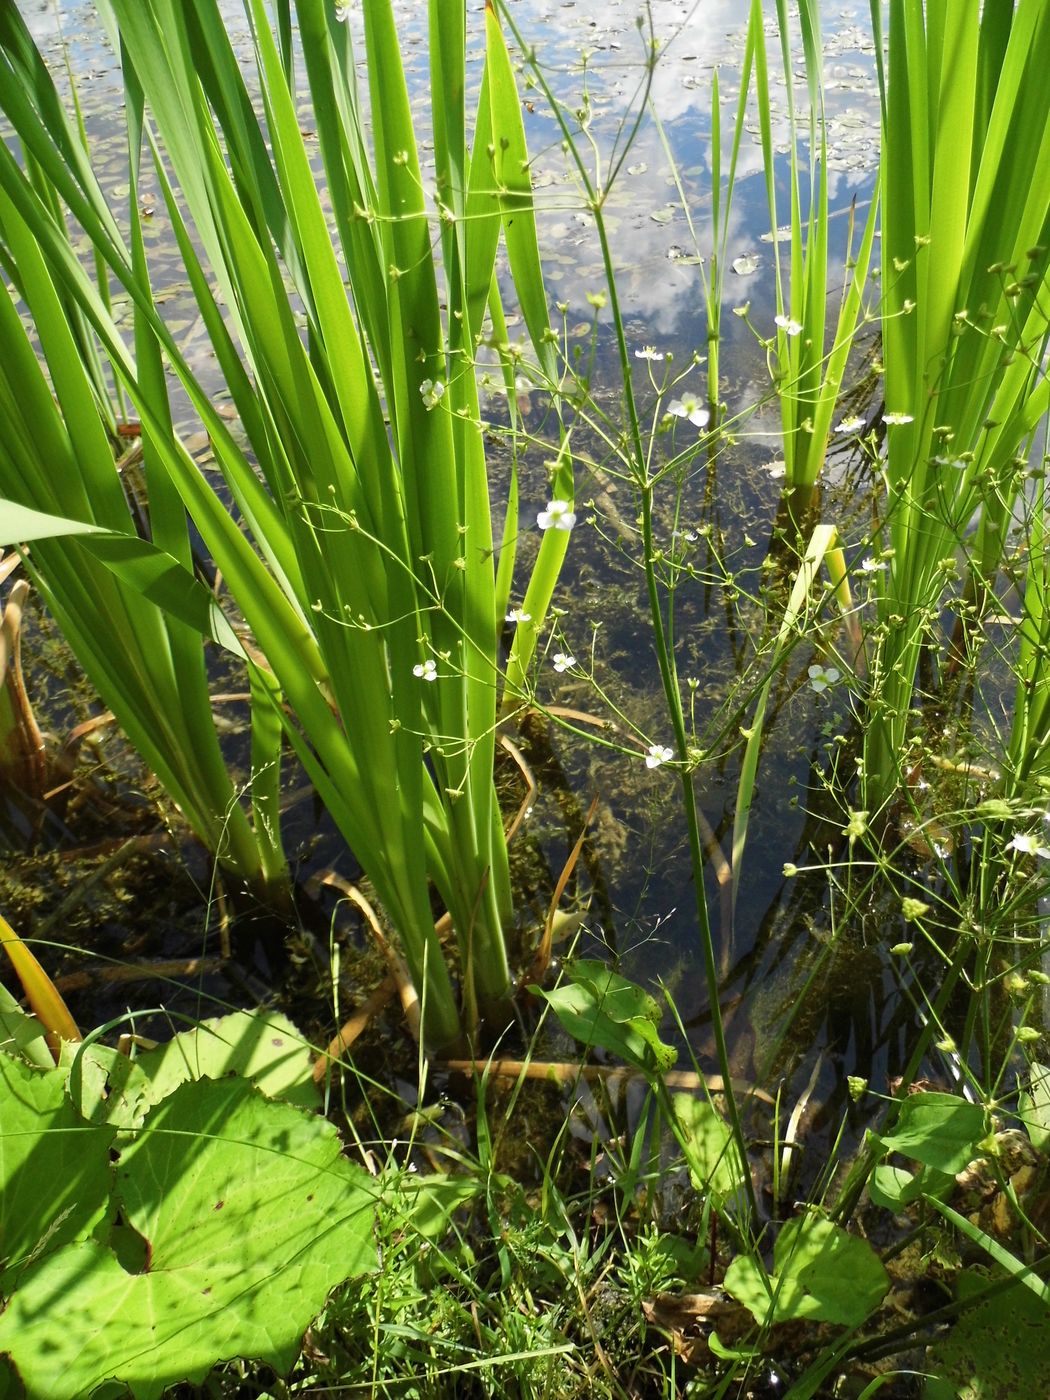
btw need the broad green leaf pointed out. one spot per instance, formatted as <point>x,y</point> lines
<point>105,1086</point>
<point>599,1007</point>
<point>939,1130</point>
<point>820,1272</point>
<point>715,1165</point>
<point>621,1001</point>
<point>996,1351</point>
<point>22,1034</point>
<point>250,1215</point>
<point>263,1047</point>
<point>893,1188</point>
<point>54,1169</point>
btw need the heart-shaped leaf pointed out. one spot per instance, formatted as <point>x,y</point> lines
<point>249,1214</point>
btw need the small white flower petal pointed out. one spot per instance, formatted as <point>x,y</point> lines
<point>657,755</point>
<point>1028,844</point>
<point>894,420</point>
<point>820,677</point>
<point>426,671</point>
<point>788,326</point>
<point>519,615</point>
<point>690,408</point>
<point>648,352</point>
<point>559,515</point>
<point>850,425</point>
<point>563,662</point>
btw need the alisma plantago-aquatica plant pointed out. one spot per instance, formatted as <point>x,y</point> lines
<point>363,564</point>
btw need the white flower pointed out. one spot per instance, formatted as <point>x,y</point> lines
<point>820,677</point>
<point>1028,844</point>
<point>563,662</point>
<point>426,671</point>
<point>788,326</point>
<point>658,753</point>
<point>690,408</point>
<point>433,392</point>
<point>519,615</point>
<point>777,468</point>
<point>559,515</point>
<point>342,13</point>
<point>871,565</point>
<point>850,425</point>
<point>648,352</point>
<point>894,420</point>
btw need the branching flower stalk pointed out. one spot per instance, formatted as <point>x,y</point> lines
<point>596,195</point>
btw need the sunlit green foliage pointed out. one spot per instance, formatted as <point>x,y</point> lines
<point>344,314</point>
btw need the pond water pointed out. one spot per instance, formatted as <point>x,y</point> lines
<point>806,999</point>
